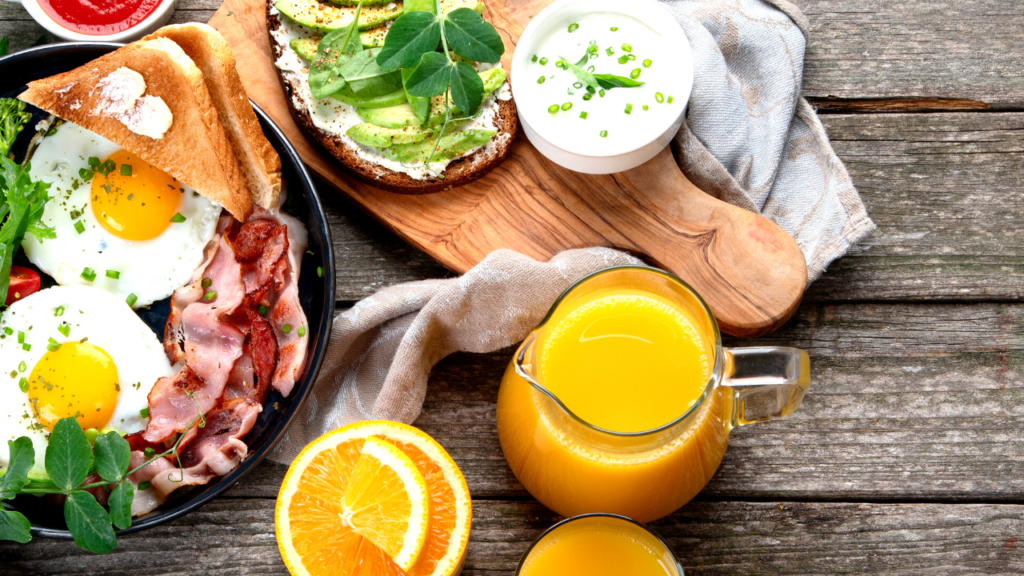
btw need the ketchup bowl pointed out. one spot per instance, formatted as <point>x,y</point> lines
<point>120,20</point>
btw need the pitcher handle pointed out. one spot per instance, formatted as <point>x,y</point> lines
<point>767,382</point>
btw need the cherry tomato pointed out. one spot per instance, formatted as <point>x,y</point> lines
<point>24,281</point>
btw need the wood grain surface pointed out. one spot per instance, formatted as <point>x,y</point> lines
<point>751,273</point>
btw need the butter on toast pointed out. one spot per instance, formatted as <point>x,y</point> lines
<point>207,48</point>
<point>195,148</point>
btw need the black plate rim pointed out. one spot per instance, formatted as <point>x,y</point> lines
<point>301,391</point>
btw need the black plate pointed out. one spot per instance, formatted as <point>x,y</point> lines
<point>316,293</point>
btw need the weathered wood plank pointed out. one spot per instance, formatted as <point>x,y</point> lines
<point>236,537</point>
<point>907,402</point>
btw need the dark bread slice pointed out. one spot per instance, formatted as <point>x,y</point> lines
<point>459,172</point>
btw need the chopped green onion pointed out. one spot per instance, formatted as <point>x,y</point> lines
<point>627,47</point>
<point>544,61</point>
<point>319,271</point>
<point>21,337</point>
<point>583,115</point>
<point>144,485</point>
<point>58,311</point>
<point>262,310</point>
<point>590,69</point>
<point>8,330</point>
<point>591,89</point>
<point>601,92</point>
<point>148,453</point>
<point>610,51</point>
<point>553,109</point>
<point>86,174</point>
<point>646,107</point>
<point>64,329</point>
<point>592,49</point>
<point>577,85</point>
<point>301,331</point>
<point>113,274</point>
<point>571,92</point>
<point>177,217</point>
<point>561,64</point>
<point>52,345</point>
<point>89,274</point>
<point>93,161</point>
<point>22,366</point>
<point>286,328</point>
<point>587,97</point>
<point>648,62</point>
<point>534,58</point>
<point>207,282</point>
<point>126,169</point>
<point>631,57</point>
<point>659,97</point>
<point>26,347</point>
<point>542,80</point>
<point>131,299</point>
<point>144,412</point>
<point>614,28</point>
<point>567,106</point>
<point>604,133</point>
<point>670,99</point>
<point>23,384</point>
<point>624,58</point>
<point>573,27</point>
<point>210,295</point>
<point>629,108</point>
<point>79,227</point>
<point>635,74</point>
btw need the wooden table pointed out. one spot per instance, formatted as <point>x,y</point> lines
<point>907,456</point>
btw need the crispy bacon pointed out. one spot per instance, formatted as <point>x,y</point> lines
<point>171,408</point>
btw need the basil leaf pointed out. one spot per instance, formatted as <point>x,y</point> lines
<point>420,105</point>
<point>68,455</point>
<point>89,523</point>
<point>467,88</point>
<point>472,37</point>
<point>22,457</point>
<point>120,504</point>
<point>112,456</point>
<point>432,76</point>
<point>586,77</point>
<point>609,81</point>
<point>411,36</point>
<point>333,51</point>
<point>14,526</point>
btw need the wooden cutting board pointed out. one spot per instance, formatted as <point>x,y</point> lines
<point>749,270</point>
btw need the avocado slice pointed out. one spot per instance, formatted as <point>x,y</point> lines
<point>349,97</point>
<point>328,17</point>
<point>420,105</point>
<point>395,117</point>
<point>450,146</point>
<point>449,5</point>
<point>381,137</point>
<point>306,47</point>
<point>354,3</point>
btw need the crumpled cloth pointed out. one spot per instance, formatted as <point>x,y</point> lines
<point>750,138</point>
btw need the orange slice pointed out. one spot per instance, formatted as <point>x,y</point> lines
<point>311,499</point>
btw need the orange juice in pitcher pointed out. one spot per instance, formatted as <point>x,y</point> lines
<point>623,399</point>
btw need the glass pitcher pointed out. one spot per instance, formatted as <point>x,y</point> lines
<point>574,467</point>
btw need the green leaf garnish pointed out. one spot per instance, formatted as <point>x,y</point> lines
<point>113,455</point>
<point>120,504</point>
<point>333,51</point>
<point>472,37</point>
<point>411,36</point>
<point>22,458</point>
<point>467,88</point>
<point>88,522</point>
<point>584,76</point>
<point>14,526</point>
<point>68,455</point>
<point>609,81</point>
<point>12,119</point>
<point>431,77</point>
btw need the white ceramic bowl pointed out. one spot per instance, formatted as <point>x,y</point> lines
<point>556,17</point>
<point>156,19</point>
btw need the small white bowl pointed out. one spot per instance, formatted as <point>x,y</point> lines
<point>155,20</point>
<point>626,156</point>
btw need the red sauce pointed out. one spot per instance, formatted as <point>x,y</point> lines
<point>98,17</point>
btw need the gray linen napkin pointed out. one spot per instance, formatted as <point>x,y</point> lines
<point>749,137</point>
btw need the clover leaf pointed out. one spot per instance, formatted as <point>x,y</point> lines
<point>22,458</point>
<point>472,37</point>
<point>411,36</point>
<point>120,504</point>
<point>113,454</point>
<point>467,87</point>
<point>431,77</point>
<point>89,523</point>
<point>14,526</point>
<point>68,455</point>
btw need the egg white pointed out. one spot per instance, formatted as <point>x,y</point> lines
<point>92,313</point>
<point>149,269</point>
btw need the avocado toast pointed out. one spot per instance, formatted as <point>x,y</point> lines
<point>366,116</point>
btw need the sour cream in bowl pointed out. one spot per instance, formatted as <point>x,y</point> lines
<point>641,61</point>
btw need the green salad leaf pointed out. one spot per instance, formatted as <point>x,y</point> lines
<point>333,51</point>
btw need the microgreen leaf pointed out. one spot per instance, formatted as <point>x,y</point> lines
<point>68,455</point>
<point>467,88</point>
<point>366,78</point>
<point>584,76</point>
<point>89,523</point>
<point>22,457</point>
<point>420,106</point>
<point>609,81</point>
<point>14,526</point>
<point>112,456</point>
<point>411,36</point>
<point>472,37</point>
<point>120,504</point>
<point>333,51</point>
<point>431,77</point>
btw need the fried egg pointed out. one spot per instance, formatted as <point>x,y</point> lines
<point>122,225</point>
<point>74,351</point>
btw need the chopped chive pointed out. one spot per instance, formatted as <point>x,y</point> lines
<point>541,80</point>
<point>8,330</point>
<point>624,58</point>
<point>64,329</point>
<point>534,58</point>
<point>126,169</point>
<point>23,384</point>
<point>319,271</point>
<point>670,99</point>
<point>144,485</point>
<point>85,174</point>
<point>567,106</point>
<point>577,85</point>
<point>635,73</point>
<point>52,345</point>
<point>590,69</point>
<point>93,161</point>
<point>573,27</point>
<point>301,331</point>
<point>144,412</point>
<point>79,227</point>
<point>22,366</point>
<point>632,57</point>
<point>210,295</point>
<point>26,347</point>
<point>601,92</point>
<point>604,133</point>
<point>21,337</point>
<point>648,62</point>
<point>58,311</point>
<point>571,92</point>
<point>646,107</point>
<point>583,115</point>
<point>544,61</point>
<point>591,89</point>
<point>148,453</point>
<point>207,282</point>
<point>113,274</point>
<point>553,109</point>
<point>286,328</point>
<point>178,217</point>
<point>659,97</point>
<point>614,28</point>
<point>610,51</point>
<point>262,310</point>
<point>627,47</point>
<point>89,274</point>
<point>629,108</point>
<point>131,299</point>
<point>587,97</point>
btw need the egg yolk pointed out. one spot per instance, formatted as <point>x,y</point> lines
<point>76,380</point>
<point>134,200</point>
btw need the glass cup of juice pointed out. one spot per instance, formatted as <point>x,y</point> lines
<point>623,399</point>
<point>599,545</point>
